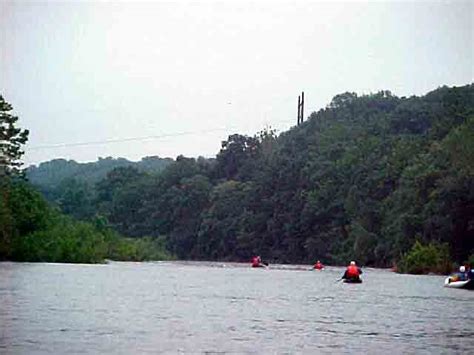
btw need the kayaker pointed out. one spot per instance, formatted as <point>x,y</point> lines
<point>462,275</point>
<point>352,272</point>
<point>256,261</point>
<point>318,265</point>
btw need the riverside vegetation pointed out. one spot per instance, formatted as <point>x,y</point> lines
<point>381,179</point>
<point>31,229</point>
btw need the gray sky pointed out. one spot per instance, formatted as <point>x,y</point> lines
<point>89,72</point>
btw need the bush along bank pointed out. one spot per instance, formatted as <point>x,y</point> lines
<point>31,230</point>
<point>425,259</point>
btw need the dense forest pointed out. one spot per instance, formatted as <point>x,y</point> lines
<point>31,229</point>
<point>367,178</point>
<point>375,178</point>
<point>48,176</point>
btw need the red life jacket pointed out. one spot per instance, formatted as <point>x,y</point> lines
<point>255,261</point>
<point>352,271</point>
<point>318,266</point>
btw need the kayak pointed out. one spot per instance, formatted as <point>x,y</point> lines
<point>352,281</point>
<point>260,265</point>
<point>467,285</point>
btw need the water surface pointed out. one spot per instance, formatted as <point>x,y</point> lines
<point>179,307</point>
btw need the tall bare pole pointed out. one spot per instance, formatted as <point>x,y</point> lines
<point>300,108</point>
<point>299,105</point>
<point>302,105</point>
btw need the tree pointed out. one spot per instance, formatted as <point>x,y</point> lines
<point>235,158</point>
<point>11,140</point>
<point>76,198</point>
<point>364,178</point>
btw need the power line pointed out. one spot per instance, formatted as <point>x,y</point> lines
<point>129,139</point>
<point>132,139</point>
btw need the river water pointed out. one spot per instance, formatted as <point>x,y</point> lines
<point>179,307</point>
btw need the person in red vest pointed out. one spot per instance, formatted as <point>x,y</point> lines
<point>256,261</point>
<point>352,272</point>
<point>318,266</point>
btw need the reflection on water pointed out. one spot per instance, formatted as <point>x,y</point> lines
<point>216,307</point>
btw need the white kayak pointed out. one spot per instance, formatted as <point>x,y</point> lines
<point>467,285</point>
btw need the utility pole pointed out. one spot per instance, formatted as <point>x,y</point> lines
<point>300,108</point>
<point>298,117</point>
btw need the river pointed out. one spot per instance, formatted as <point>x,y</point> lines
<point>191,307</point>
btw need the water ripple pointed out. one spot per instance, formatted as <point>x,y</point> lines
<point>221,308</point>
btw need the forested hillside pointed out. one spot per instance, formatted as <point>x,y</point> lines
<point>33,230</point>
<point>47,176</point>
<point>71,184</point>
<point>364,178</point>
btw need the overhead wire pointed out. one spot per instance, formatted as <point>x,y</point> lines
<point>132,139</point>
<point>120,140</point>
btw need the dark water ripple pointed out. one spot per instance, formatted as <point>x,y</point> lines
<point>220,308</point>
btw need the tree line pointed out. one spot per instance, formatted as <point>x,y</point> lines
<point>32,229</point>
<point>368,178</point>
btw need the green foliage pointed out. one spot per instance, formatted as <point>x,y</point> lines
<point>37,232</point>
<point>136,249</point>
<point>236,156</point>
<point>30,230</point>
<point>65,241</point>
<point>22,211</point>
<point>459,146</point>
<point>48,177</point>
<point>357,180</point>
<point>220,227</point>
<point>11,141</point>
<point>422,259</point>
<point>29,209</point>
<point>471,261</point>
<point>76,198</point>
<point>80,242</point>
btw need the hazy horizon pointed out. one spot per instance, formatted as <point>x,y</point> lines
<point>185,75</point>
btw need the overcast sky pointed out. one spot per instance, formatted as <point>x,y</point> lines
<point>188,74</point>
